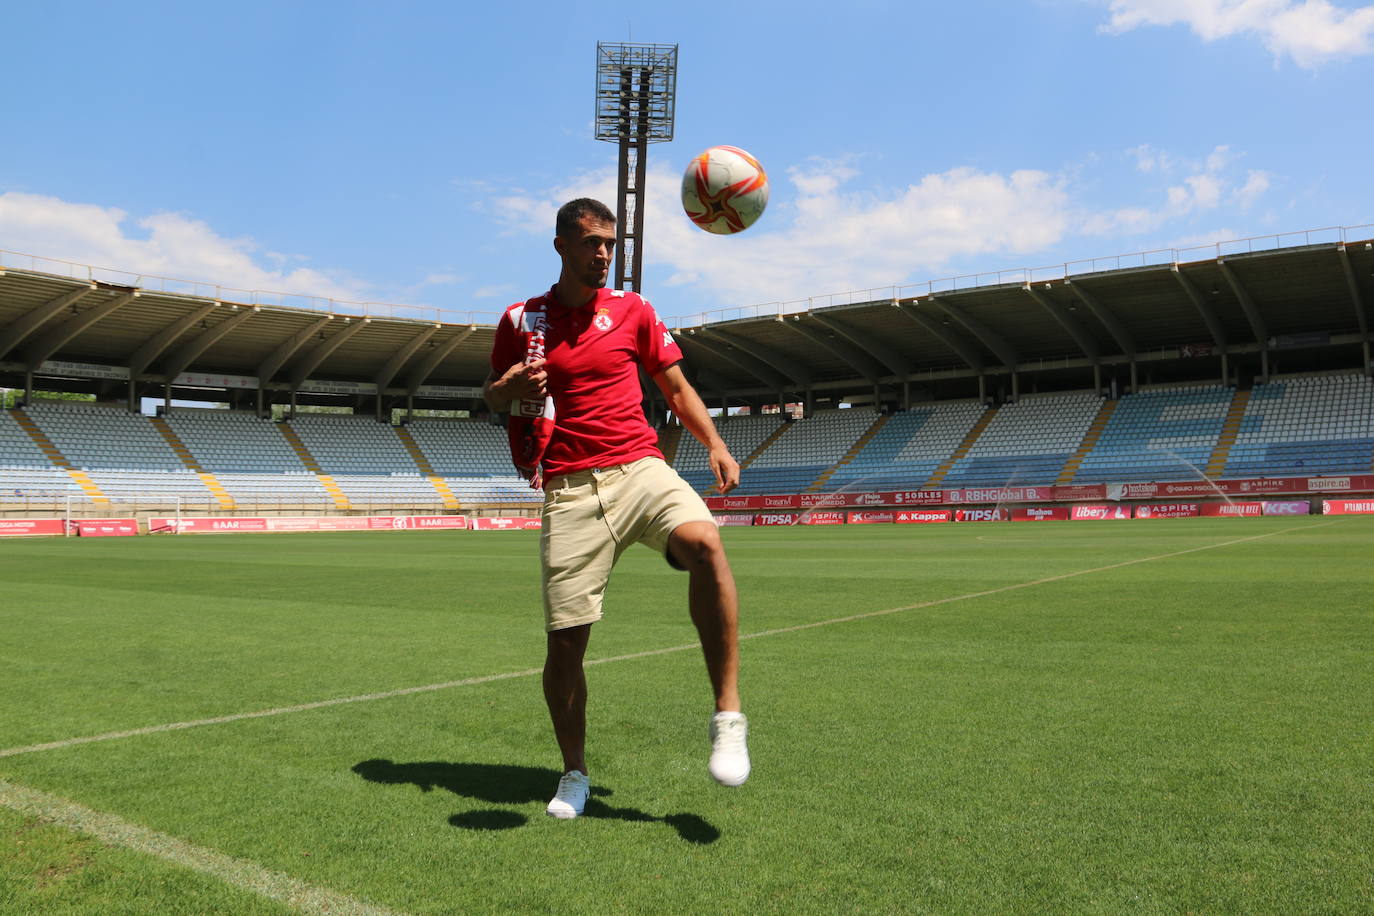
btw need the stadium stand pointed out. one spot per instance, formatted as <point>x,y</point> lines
<point>1164,434</point>
<point>908,449</point>
<point>123,455</point>
<point>248,456</point>
<point>366,459</point>
<point>743,434</point>
<point>26,473</point>
<point>1322,424</point>
<point>1027,441</point>
<point>473,459</point>
<point>807,448</point>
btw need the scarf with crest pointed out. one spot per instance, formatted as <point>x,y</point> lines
<point>531,421</point>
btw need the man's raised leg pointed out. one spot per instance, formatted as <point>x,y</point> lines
<point>714,605</point>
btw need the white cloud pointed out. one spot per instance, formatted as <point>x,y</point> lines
<point>1310,32</point>
<point>820,237</point>
<point>175,246</point>
<point>1207,186</point>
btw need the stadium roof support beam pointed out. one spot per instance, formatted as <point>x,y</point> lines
<point>862,364</point>
<point>1252,314</point>
<point>1356,299</point>
<point>320,352</point>
<point>16,331</point>
<point>1114,327</point>
<point>287,348</point>
<point>49,343</point>
<point>744,361</point>
<point>152,348</point>
<point>774,360</point>
<point>885,354</point>
<point>398,359</point>
<point>1209,317</point>
<point>1076,330</point>
<point>187,353</point>
<point>940,332</point>
<point>989,338</point>
<point>425,368</point>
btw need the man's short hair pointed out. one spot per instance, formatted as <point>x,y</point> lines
<point>571,213</point>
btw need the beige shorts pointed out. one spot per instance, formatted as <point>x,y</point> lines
<point>590,517</point>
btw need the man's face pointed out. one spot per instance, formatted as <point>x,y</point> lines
<point>587,254</point>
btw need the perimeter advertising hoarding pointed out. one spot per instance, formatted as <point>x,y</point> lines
<point>1041,514</point>
<point>776,518</point>
<point>106,527</point>
<point>1099,513</point>
<point>504,523</point>
<point>923,516</point>
<point>216,525</point>
<point>1168,510</point>
<point>870,518</point>
<point>1287,507</point>
<point>822,518</point>
<point>1348,507</point>
<point>31,527</point>
<point>737,520</point>
<point>1232,510</point>
<point>996,514</point>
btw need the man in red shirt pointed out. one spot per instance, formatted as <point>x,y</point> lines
<point>564,365</point>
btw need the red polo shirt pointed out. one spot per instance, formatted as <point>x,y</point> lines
<point>592,352</point>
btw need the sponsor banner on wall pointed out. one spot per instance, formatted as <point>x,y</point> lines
<point>914,498</point>
<point>64,368</point>
<point>31,527</point>
<point>1168,510</point>
<point>821,500</point>
<point>822,518</point>
<point>506,523</point>
<point>776,518</point>
<point>331,386</point>
<point>202,380</point>
<point>1348,507</point>
<point>870,518</point>
<point>999,494</point>
<point>106,527</point>
<point>1040,514</point>
<point>993,514</point>
<point>1230,510</point>
<point>1287,507</point>
<point>447,391</point>
<point>739,520</point>
<point>1098,513</point>
<point>786,501</point>
<point>1072,494</point>
<point>923,516</point>
<point>731,503</point>
<point>217,525</point>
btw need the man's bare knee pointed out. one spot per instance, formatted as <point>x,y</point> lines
<point>697,547</point>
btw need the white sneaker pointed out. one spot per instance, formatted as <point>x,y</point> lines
<point>571,796</point>
<point>729,764</point>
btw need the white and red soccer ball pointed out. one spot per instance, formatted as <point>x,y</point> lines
<point>724,190</point>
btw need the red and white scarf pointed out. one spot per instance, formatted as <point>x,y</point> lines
<point>530,426</point>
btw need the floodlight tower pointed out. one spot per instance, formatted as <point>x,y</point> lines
<point>636,88</point>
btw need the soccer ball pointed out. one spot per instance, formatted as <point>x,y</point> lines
<point>724,190</point>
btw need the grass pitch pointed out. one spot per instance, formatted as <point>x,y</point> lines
<point>1154,716</point>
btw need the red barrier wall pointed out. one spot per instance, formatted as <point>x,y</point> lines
<point>1348,507</point>
<point>31,527</point>
<point>106,527</point>
<point>1229,510</point>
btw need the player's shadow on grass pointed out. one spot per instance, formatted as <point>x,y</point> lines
<point>506,784</point>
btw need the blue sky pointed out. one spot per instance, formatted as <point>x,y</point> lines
<point>415,152</point>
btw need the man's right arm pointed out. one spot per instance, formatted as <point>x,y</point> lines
<point>520,382</point>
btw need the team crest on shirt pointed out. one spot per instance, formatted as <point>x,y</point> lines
<point>603,319</point>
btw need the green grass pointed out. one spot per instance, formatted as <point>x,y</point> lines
<point>1187,734</point>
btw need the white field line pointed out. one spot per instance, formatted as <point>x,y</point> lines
<point>531,672</point>
<point>238,873</point>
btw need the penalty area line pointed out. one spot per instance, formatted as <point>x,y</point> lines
<point>531,672</point>
<point>238,873</point>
